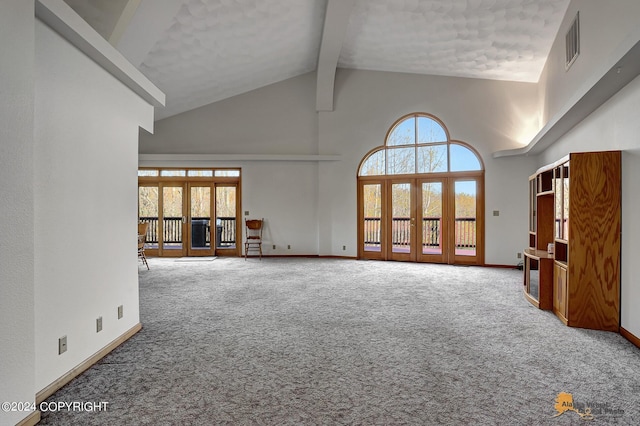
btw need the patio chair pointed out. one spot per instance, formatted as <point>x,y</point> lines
<point>253,241</point>
<point>142,239</point>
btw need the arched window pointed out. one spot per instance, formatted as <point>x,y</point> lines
<point>421,196</point>
<point>417,144</point>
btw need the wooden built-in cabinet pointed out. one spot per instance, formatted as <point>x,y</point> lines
<point>575,205</point>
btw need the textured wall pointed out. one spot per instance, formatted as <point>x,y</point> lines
<point>86,132</point>
<point>16,207</point>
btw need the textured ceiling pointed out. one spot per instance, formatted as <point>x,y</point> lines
<point>203,51</point>
<point>215,49</point>
<point>495,39</point>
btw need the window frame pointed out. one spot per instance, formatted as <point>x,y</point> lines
<point>386,148</point>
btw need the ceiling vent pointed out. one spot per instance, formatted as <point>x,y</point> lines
<point>572,42</point>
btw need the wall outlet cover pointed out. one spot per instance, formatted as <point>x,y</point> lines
<point>62,345</point>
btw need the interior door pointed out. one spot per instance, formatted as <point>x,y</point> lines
<point>432,227</point>
<point>173,220</point>
<point>402,220</point>
<point>200,205</point>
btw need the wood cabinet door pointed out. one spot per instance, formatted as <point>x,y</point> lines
<point>560,292</point>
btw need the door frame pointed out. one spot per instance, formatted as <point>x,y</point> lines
<point>444,229</point>
<point>153,177</point>
<point>199,252</point>
<point>413,243</point>
<point>369,254</point>
<point>237,250</point>
<point>454,258</point>
<point>162,251</point>
<point>448,254</point>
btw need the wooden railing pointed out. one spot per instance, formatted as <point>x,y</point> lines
<point>465,231</point>
<point>172,230</point>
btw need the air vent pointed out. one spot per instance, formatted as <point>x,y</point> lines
<point>572,42</point>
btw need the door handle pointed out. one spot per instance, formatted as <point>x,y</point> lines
<point>184,219</point>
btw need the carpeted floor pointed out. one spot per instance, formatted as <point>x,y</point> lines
<point>325,341</point>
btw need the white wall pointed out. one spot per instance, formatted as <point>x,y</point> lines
<point>281,119</point>
<point>17,357</point>
<point>604,27</point>
<point>276,119</point>
<point>490,115</point>
<point>285,194</point>
<point>86,130</point>
<point>614,126</point>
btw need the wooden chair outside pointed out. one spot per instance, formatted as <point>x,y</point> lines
<point>142,239</point>
<point>253,241</point>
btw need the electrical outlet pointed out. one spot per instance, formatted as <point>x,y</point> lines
<point>274,246</point>
<point>98,324</point>
<point>120,311</point>
<point>62,345</point>
<point>519,255</point>
<point>496,212</point>
<point>344,248</point>
<point>289,247</point>
<point>246,212</point>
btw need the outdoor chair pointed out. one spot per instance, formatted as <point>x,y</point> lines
<point>253,241</point>
<point>142,239</point>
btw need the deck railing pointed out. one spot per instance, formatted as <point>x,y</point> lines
<point>465,231</point>
<point>172,230</point>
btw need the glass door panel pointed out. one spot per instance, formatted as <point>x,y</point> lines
<point>200,220</point>
<point>226,223</point>
<point>465,208</point>
<point>372,204</point>
<point>559,198</point>
<point>432,229</point>
<point>173,220</point>
<point>402,221</point>
<point>148,213</point>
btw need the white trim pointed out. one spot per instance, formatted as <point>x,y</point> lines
<point>169,160</point>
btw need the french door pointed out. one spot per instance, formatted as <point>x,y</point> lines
<point>189,218</point>
<point>421,219</point>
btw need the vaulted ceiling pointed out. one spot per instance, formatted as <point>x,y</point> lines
<point>203,51</point>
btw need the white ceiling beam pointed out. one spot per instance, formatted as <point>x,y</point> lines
<point>145,28</point>
<point>335,28</point>
<point>123,21</point>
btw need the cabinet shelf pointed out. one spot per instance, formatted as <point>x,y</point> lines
<point>584,290</point>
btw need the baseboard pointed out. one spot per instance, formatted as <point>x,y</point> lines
<point>630,337</point>
<point>255,256</point>
<point>329,256</point>
<point>83,366</point>
<point>31,420</point>
<point>489,265</point>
